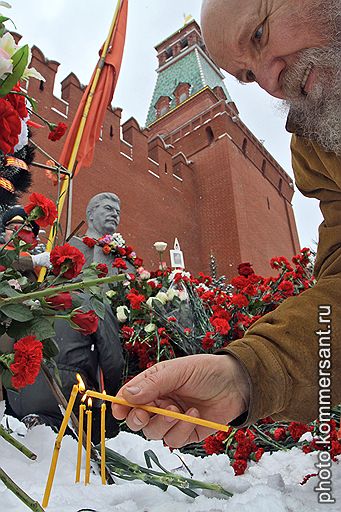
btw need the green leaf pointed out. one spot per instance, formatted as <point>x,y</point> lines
<point>3,19</point>
<point>7,290</point>
<point>40,327</point>
<point>17,312</point>
<point>150,455</point>
<point>98,306</point>
<point>50,348</point>
<point>20,61</point>
<point>6,378</point>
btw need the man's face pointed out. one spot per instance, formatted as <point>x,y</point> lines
<point>106,216</point>
<point>292,49</point>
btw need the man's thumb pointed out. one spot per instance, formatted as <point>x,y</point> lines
<point>159,380</point>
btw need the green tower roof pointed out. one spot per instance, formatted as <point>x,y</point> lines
<point>194,67</point>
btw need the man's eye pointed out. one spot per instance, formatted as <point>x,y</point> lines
<point>259,33</point>
<point>250,76</point>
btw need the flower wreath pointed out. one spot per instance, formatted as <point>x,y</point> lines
<point>116,246</point>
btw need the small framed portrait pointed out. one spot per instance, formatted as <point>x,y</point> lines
<point>177,259</point>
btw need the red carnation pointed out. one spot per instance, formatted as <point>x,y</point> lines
<point>90,242</point>
<point>102,269</point>
<point>213,444</point>
<point>138,262</point>
<point>220,325</point>
<point>57,131</point>
<point>18,101</point>
<point>239,466</point>
<point>135,299</point>
<point>297,430</point>
<point>106,249</point>
<point>28,237</point>
<point>86,321</point>
<point>286,287</point>
<point>207,341</point>
<point>28,354</point>
<point>10,127</point>
<point>41,209</point>
<point>62,301</point>
<point>245,269</point>
<point>239,282</point>
<point>279,434</point>
<point>119,263</point>
<point>239,300</point>
<point>67,261</point>
<point>2,268</point>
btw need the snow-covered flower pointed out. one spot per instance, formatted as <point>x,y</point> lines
<point>5,4</point>
<point>122,313</point>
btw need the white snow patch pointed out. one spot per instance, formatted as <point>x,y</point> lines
<point>272,484</point>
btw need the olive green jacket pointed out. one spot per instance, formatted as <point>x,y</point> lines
<point>281,352</point>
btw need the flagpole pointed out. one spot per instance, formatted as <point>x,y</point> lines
<point>73,157</point>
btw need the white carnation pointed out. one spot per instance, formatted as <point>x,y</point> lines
<point>122,313</point>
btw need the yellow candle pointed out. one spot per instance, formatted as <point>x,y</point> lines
<point>88,443</point>
<point>158,410</point>
<point>103,409</point>
<point>80,441</point>
<point>57,445</point>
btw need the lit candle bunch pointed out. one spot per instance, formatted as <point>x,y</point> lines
<point>89,394</point>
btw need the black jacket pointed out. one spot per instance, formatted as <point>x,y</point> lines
<point>81,354</point>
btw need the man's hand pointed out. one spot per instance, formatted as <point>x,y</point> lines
<point>212,387</point>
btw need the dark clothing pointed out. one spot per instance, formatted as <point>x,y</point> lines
<point>77,354</point>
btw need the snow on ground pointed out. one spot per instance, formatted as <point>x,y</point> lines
<point>271,485</point>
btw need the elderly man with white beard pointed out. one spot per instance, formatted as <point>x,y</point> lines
<point>292,49</point>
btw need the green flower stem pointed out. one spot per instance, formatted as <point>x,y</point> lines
<point>269,440</point>
<point>25,223</point>
<point>12,486</point>
<point>87,283</point>
<point>23,449</point>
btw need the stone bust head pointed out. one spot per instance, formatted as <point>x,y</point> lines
<point>103,214</point>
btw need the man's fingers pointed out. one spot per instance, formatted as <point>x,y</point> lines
<point>182,432</point>
<point>159,425</point>
<point>137,419</point>
<point>120,412</point>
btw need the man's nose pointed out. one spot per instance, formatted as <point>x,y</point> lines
<point>268,76</point>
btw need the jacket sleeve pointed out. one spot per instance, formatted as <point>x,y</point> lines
<point>281,352</point>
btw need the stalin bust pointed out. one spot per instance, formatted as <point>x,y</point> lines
<point>103,217</point>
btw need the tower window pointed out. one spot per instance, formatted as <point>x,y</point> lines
<point>169,53</point>
<point>181,93</point>
<point>268,203</point>
<point>111,131</point>
<point>184,43</point>
<point>263,166</point>
<point>244,147</point>
<point>41,85</point>
<point>183,96</point>
<point>210,135</point>
<point>280,184</point>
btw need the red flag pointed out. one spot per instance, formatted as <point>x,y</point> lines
<point>101,100</point>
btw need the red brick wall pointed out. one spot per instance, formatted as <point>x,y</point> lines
<point>201,189</point>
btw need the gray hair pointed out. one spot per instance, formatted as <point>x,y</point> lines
<point>98,199</point>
